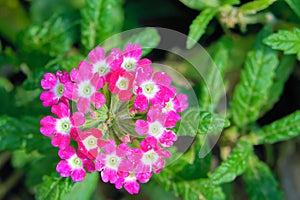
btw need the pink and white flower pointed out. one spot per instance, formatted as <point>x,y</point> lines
<point>112,161</point>
<point>104,66</point>
<point>62,128</point>
<point>148,88</point>
<point>132,55</point>
<point>156,127</point>
<point>55,84</point>
<point>121,84</point>
<point>85,89</point>
<point>73,164</point>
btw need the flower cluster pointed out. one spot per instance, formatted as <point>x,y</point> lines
<point>121,119</point>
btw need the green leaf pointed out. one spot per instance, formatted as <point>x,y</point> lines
<point>200,4</point>
<point>230,2</point>
<point>280,130</point>
<point>16,133</point>
<point>255,6</point>
<point>53,37</point>
<point>198,26</point>
<point>213,87</point>
<point>283,71</point>
<point>234,165</point>
<point>195,122</point>
<point>148,39</point>
<point>295,5</point>
<point>200,189</point>
<point>52,188</point>
<point>260,182</point>
<point>287,41</point>
<point>256,79</point>
<point>83,190</point>
<point>100,19</point>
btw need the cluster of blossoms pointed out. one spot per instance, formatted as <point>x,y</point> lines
<point>121,120</point>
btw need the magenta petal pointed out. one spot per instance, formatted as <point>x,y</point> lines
<point>144,62</point>
<point>48,126</point>
<point>125,95</point>
<point>77,119</point>
<point>98,99</point>
<point>71,91</point>
<point>132,187</point>
<point>97,82</point>
<point>182,98</point>
<point>63,168</point>
<point>63,76</point>
<point>60,140</point>
<point>141,127</point>
<point>89,165</point>
<point>49,98</point>
<point>155,114</point>
<point>96,54</point>
<point>67,152</point>
<point>49,81</point>
<point>74,74</point>
<point>85,71</point>
<point>83,105</point>
<point>61,110</point>
<point>162,78</point>
<point>115,59</point>
<point>141,103</point>
<point>133,51</point>
<point>143,74</point>
<point>78,175</point>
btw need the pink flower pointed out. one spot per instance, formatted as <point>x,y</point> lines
<point>85,89</point>
<point>132,55</point>
<point>62,127</point>
<point>73,164</point>
<point>151,157</point>
<point>148,88</point>
<point>89,142</point>
<point>113,161</point>
<point>55,86</point>
<point>121,83</point>
<point>104,66</point>
<point>155,126</point>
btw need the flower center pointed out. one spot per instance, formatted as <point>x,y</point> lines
<point>59,90</point>
<point>149,157</point>
<point>122,83</point>
<point>101,67</point>
<point>149,89</point>
<point>90,142</point>
<point>112,161</point>
<point>75,162</point>
<point>155,129</point>
<point>85,89</point>
<point>63,125</point>
<point>169,106</point>
<point>129,64</point>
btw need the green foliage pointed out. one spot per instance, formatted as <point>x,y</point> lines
<point>200,4</point>
<point>260,182</point>
<point>53,188</point>
<point>295,5</point>
<point>255,6</point>
<point>234,165</point>
<point>53,37</point>
<point>280,130</point>
<point>147,38</point>
<point>214,76</point>
<point>199,25</point>
<point>100,19</point>
<point>256,79</point>
<point>287,41</point>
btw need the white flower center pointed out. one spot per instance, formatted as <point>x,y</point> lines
<point>129,64</point>
<point>90,142</point>
<point>85,89</point>
<point>169,106</point>
<point>150,157</point>
<point>113,161</point>
<point>122,83</point>
<point>75,162</point>
<point>156,129</point>
<point>59,90</point>
<point>63,125</point>
<point>101,67</point>
<point>149,89</point>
